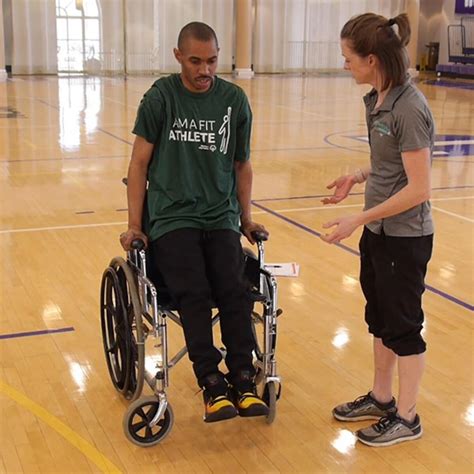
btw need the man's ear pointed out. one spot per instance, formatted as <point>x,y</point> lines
<point>177,55</point>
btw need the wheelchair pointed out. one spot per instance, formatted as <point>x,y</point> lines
<point>135,305</point>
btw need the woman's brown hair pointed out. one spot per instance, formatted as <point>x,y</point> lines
<point>373,34</point>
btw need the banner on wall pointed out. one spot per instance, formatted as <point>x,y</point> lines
<point>464,7</point>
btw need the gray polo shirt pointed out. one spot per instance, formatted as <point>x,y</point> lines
<point>402,123</point>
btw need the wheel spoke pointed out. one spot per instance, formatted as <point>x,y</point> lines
<point>113,348</point>
<point>151,412</point>
<point>136,427</point>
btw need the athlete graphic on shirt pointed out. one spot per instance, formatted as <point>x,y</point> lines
<point>225,131</point>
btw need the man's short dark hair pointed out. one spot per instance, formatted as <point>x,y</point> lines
<point>197,30</point>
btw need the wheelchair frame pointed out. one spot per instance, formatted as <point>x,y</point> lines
<point>131,311</point>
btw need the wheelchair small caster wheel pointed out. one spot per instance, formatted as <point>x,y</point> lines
<point>270,398</point>
<point>136,422</point>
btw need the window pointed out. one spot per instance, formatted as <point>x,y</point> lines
<point>78,35</point>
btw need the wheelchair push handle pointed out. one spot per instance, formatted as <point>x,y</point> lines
<point>259,236</point>
<point>138,244</point>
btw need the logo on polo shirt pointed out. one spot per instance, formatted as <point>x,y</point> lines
<point>382,128</point>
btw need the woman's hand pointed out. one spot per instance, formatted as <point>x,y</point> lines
<point>345,227</point>
<point>342,186</point>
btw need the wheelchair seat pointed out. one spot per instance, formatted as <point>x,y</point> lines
<point>165,300</point>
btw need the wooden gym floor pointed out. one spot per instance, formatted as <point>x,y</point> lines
<point>64,147</point>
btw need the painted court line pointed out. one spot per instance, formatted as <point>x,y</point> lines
<point>314,196</point>
<point>296,209</point>
<point>346,206</point>
<point>57,425</point>
<point>41,332</point>
<point>60,227</point>
<point>453,214</point>
<point>356,253</point>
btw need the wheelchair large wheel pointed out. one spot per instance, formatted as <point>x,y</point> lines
<point>135,334</point>
<point>115,330</point>
<point>136,422</point>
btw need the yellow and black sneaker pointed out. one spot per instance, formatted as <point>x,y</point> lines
<point>217,404</point>
<point>250,404</point>
<point>244,395</point>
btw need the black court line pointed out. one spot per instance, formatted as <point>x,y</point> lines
<point>35,333</point>
<point>114,136</point>
<point>441,293</point>
<point>98,128</point>
<point>48,104</point>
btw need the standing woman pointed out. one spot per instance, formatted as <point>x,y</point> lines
<point>397,239</point>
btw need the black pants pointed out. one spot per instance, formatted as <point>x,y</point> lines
<point>199,267</point>
<point>392,277</point>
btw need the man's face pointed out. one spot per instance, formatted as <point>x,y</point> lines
<point>198,61</point>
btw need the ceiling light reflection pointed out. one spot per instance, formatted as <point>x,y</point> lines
<point>468,415</point>
<point>51,313</point>
<point>350,283</point>
<point>297,289</point>
<point>79,373</point>
<point>344,442</point>
<point>341,338</point>
<point>447,272</point>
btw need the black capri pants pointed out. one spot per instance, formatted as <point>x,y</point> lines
<point>392,277</point>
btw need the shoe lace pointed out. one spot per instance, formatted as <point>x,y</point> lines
<point>214,400</point>
<point>360,401</point>
<point>247,394</point>
<point>385,422</point>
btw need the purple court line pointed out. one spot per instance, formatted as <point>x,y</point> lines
<point>447,296</point>
<point>261,150</point>
<point>443,188</point>
<point>327,137</point>
<point>35,333</point>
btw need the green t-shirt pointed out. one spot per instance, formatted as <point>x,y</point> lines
<point>197,138</point>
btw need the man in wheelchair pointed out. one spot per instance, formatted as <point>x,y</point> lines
<point>192,148</point>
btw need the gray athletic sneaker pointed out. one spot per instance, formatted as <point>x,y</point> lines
<point>365,407</point>
<point>390,430</point>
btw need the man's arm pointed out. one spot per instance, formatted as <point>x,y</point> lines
<point>136,187</point>
<point>244,176</point>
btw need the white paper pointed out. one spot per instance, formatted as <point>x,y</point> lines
<point>290,269</point>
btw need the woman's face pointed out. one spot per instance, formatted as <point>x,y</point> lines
<point>363,69</point>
